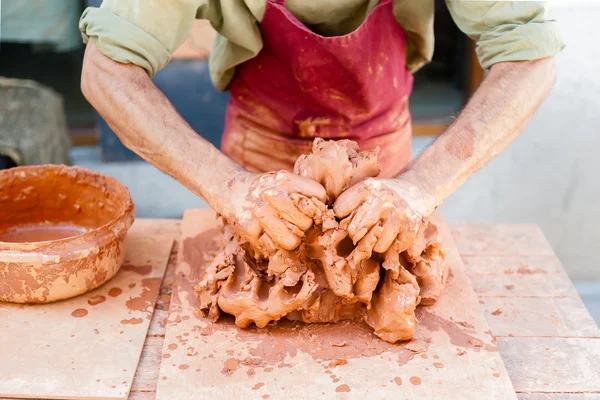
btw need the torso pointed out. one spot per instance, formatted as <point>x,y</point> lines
<point>303,85</point>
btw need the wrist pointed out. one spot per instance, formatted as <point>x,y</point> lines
<point>416,192</point>
<point>233,195</point>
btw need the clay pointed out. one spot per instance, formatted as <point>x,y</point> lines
<point>61,231</point>
<point>40,233</point>
<point>333,273</point>
<point>94,301</point>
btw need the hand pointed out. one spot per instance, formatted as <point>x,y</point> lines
<point>274,208</point>
<point>377,211</point>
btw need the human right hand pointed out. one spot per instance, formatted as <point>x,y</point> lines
<point>273,208</point>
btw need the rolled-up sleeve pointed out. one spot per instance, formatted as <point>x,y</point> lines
<point>507,30</point>
<point>140,32</point>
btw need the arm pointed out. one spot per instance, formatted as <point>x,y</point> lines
<point>517,42</point>
<point>493,118</point>
<point>495,115</point>
<point>148,124</point>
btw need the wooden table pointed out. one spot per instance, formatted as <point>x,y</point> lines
<point>546,337</point>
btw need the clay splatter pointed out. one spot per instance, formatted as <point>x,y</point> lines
<point>527,271</point>
<point>258,386</point>
<point>183,366</point>
<point>138,269</point>
<point>497,312</point>
<point>342,388</point>
<point>457,334</point>
<point>96,300</point>
<point>288,338</point>
<point>398,381</point>
<point>463,146</point>
<point>335,363</point>
<point>172,346</point>
<point>145,300</point>
<point>114,292</point>
<point>415,380</point>
<point>80,312</point>
<point>438,365</point>
<point>166,356</point>
<point>230,366</point>
<point>132,321</point>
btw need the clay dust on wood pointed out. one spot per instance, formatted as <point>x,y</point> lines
<point>138,269</point>
<point>80,312</point>
<point>132,321</point>
<point>96,300</point>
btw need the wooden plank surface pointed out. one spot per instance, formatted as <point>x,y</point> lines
<point>559,396</point>
<point>500,239</point>
<point>547,338</point>
<point>205,360</point>
<point>552,364</point>
<point>573,318</point>
<point>47,352</point>
<point>539,317</point>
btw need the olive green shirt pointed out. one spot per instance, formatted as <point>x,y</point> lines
<point>147,32</point>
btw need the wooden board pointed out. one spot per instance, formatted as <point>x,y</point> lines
<point>88,346</point>
<point>453,355</point>
<point>553,364</point>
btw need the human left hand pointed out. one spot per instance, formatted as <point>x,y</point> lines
<point>376,211</point>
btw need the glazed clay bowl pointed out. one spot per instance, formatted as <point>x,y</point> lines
<point>62,231</point>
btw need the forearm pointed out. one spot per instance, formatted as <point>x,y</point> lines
<point>147,123</point>
<point>496,114</point>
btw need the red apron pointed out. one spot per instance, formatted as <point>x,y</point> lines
<point>302,85</point>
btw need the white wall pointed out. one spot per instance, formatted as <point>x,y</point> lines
<point>550,174</point>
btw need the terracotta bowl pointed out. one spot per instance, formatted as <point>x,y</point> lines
<point>62,231</point>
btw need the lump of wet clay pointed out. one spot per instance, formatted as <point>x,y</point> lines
<point>327,278</point>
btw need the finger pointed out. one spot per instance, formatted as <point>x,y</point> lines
<point>407,237</point>
<point>248,227</point>
<point>364,249</point>
<point>304,168</point>
<point>276,229</point>
<point>350,199</point>
<point>345,223</point>
<point>367,215</point>
<point>307,207</point>
<point>391,227</point>
<point>307,187</point>
<point>294,230</point>
<point>289,212</point>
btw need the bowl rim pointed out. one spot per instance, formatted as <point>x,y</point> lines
<point>29,247</point>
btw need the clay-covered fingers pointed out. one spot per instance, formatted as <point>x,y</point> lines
<point>305,186</point>
<point>364,250</point>
<point>276,228</point>
<point>249,227</point>
<point>367,215</point>
<point>350,199</point>
<point>288,211</point>
<point>390,230</point>
<point>312,207</point>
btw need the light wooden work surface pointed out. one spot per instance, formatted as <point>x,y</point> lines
<point>546,337</point>
<point>453,355</point>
